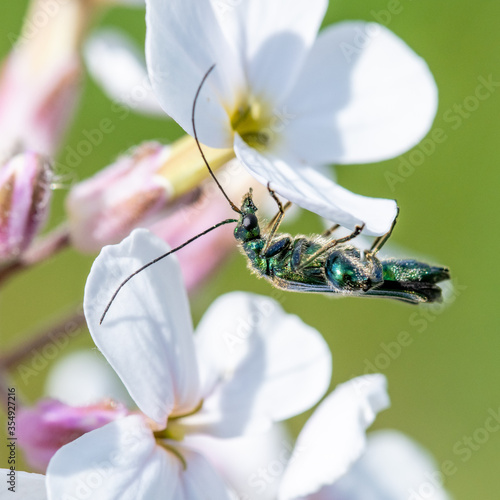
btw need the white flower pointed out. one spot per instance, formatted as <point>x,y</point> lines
<point>287,100</point>
<point>249,365</point>
<point>332,458</point>
<point>392,467</point>
<point>117,64</point>
<point>83,378</point>
<point>334,437</point>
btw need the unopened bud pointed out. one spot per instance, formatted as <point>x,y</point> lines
<point>40,81</point>
<point>24,202</point>
<point>105,208</point>
<point>203,256</point>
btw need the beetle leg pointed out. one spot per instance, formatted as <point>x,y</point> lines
<point>380,241</point>
<point>274,224</point>
<point>332,244</point>
<point>329,231</point>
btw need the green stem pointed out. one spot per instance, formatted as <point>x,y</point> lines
<point>175,452</point>
<point>70,326</point>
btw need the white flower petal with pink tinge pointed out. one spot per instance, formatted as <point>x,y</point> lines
<point>334,437</point>
<point>120,460</point>
<point>258,365</point>
<point>147,334</point>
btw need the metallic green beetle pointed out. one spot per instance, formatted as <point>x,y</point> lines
<point>324,265</point>
<point>317,264</point>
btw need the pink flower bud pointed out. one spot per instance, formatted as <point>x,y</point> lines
<point>44,428</point>
<point>35,109</point>
<point>105,208</point>
<point>40,79</point>
<point>201,257</point>
<point>24,202</point>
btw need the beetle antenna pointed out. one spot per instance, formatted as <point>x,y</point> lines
<point>227,221</point>
<point>233,206</point>
<point>125,281</point>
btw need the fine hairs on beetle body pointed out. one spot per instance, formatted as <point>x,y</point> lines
<point>317,264</point>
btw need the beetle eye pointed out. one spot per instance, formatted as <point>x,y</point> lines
<point>250,222</point>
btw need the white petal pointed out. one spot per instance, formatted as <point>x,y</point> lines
<point>273,39</point>
<point>363,96</point>
<point>252,465</point>
<point>118,461</point>
<point>83,378</point>
<point>26,486</point>
<point>258,365</point>
<point>334,437</point>
<point>116,63</point>
<point>310,189</point>
<point>199,481</point>
<point>393,467</point>
<point>147,334</point>
<point>183,41</point>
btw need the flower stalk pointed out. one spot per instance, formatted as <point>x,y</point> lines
<point>69,325</point>
<point>43,249</point>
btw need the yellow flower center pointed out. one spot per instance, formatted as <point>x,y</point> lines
<point>175,431</point>
<point>256,123</point>
<point>251,120</point>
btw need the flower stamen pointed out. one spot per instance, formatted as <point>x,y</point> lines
<point>174,451</point>
<point>251,121</point>
<point>196,409</point>
<point>175,430</point>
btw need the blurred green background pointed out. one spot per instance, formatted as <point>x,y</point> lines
<point>446,382</point>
